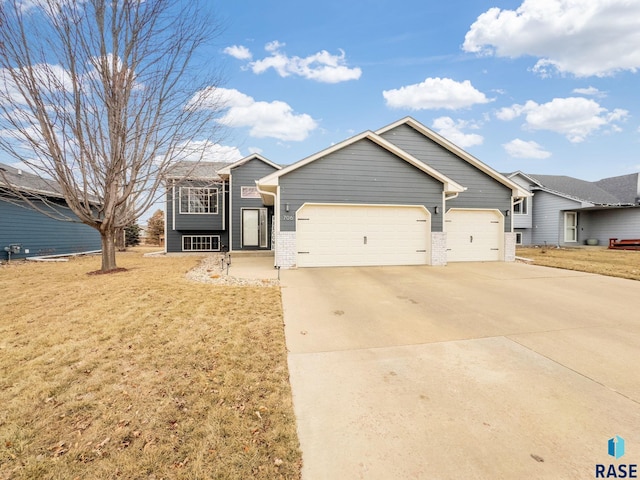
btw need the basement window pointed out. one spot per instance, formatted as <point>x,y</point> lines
<point>201,243</point>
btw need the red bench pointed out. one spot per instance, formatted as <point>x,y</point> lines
<point>628,244</point>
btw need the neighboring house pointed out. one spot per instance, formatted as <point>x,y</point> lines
<point>402,195</point>
<point>566,211</point>
<point>32,233</point>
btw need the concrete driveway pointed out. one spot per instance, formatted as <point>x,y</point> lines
<point>476,370</point>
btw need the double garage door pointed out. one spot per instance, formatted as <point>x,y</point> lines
<point>362,235</point>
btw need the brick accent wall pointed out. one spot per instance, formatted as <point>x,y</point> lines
<point>438,248</point>
<point>510,247</point>
<point>286,249</point>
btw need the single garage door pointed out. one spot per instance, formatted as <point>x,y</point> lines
<point>474,235</point>
<point>362,235</point>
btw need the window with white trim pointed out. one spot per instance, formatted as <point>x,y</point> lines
<point>518,238</point>
<point>521,208</point>
<point>249,192</point>
<point>201,243</point>
<point>198,200</point>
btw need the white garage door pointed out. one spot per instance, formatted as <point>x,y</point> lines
<point>474,235</point>
<point>361,235</point>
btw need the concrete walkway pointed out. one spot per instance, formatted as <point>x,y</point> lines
<point>481,370</point>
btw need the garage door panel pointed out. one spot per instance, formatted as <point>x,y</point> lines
<point>474,235</point>
<point>360,235</point>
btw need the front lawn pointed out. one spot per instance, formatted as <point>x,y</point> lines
<point>614,263</point>
<point>141,375</point>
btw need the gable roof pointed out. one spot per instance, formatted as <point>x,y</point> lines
<point>11,177</point>
<point>196,170</point>
<point>517,190</point>
<point>226,170</point>
<point>450,186</point>
<point>614,191</point>
<point>578,189</point>
<point>625,187</point>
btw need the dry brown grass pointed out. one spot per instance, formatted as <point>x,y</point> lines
<point>614,263</point>
<point>141,375</point>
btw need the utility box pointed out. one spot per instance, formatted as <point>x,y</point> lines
<point>13,249</point>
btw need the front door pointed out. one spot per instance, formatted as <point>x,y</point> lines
<point>570,227</point>
<point>254,227</point>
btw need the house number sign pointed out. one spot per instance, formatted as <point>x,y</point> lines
<point>287,217</point>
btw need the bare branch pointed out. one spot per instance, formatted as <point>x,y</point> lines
<point>102,97</point>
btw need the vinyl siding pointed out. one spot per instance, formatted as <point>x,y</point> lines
<point>548,218</point>
<point>42,235</point>
<point>621,223</point>
<point>482,190</point>
<point>361,173</point>
<point>193,224</point>
<point>245,176</point>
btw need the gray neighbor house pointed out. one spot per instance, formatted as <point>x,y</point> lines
<point>25,232</point>
<point>566,211</point>
<point>400,195</point>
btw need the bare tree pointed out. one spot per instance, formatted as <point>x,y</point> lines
<point>103,97</point>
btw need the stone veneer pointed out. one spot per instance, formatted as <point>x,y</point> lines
<point>438,248</point>
<point>286,249</point>
<point>510,247</point>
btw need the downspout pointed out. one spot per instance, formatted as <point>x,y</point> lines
<point>224,206</point>
<point>276,214</point>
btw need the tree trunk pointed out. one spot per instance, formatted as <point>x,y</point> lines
<point>108,250</point>
<point>120,239</point>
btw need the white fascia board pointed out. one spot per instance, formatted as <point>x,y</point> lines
<point>227,170</point>
<point>450,186</point>
<point>524,175</point>
<point>517,190</point>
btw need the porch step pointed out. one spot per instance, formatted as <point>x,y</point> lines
<point>251,253</point>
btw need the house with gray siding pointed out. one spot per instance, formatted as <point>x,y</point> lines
<point>567,211</point>
<point>402,195</point>
<point>215,206</point>
<point>26,232</point>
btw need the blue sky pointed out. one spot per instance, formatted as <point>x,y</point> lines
<point>543,86</point>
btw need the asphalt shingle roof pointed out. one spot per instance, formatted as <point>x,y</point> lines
<point>579,189</point>
<point>624,187</point>
<point>205,170</point>
<point>25,181</point>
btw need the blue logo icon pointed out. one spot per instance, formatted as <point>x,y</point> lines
<point>616,446</point>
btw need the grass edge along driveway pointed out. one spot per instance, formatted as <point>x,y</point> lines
<point>141,374</point>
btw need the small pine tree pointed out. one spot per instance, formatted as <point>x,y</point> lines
<point>155,227</point>
<point>132,235</point>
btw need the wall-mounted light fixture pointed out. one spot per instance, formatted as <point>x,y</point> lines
<point>507,213</point>
<point>436,209</point>
<point>286,207</point>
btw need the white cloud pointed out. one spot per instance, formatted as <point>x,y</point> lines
<point>264,119</point>
<point>321,66</point>
<point>435,93</point>
<point>582,37</point>
<point>208,151</point>
<point>452,131</point>
<point>591,91</point>
<point>520,149</point>
<point>238,51</point>
<point>574,117</point>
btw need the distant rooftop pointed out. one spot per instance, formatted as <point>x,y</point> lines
<point>621,190</point>
<point>26,181</point>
